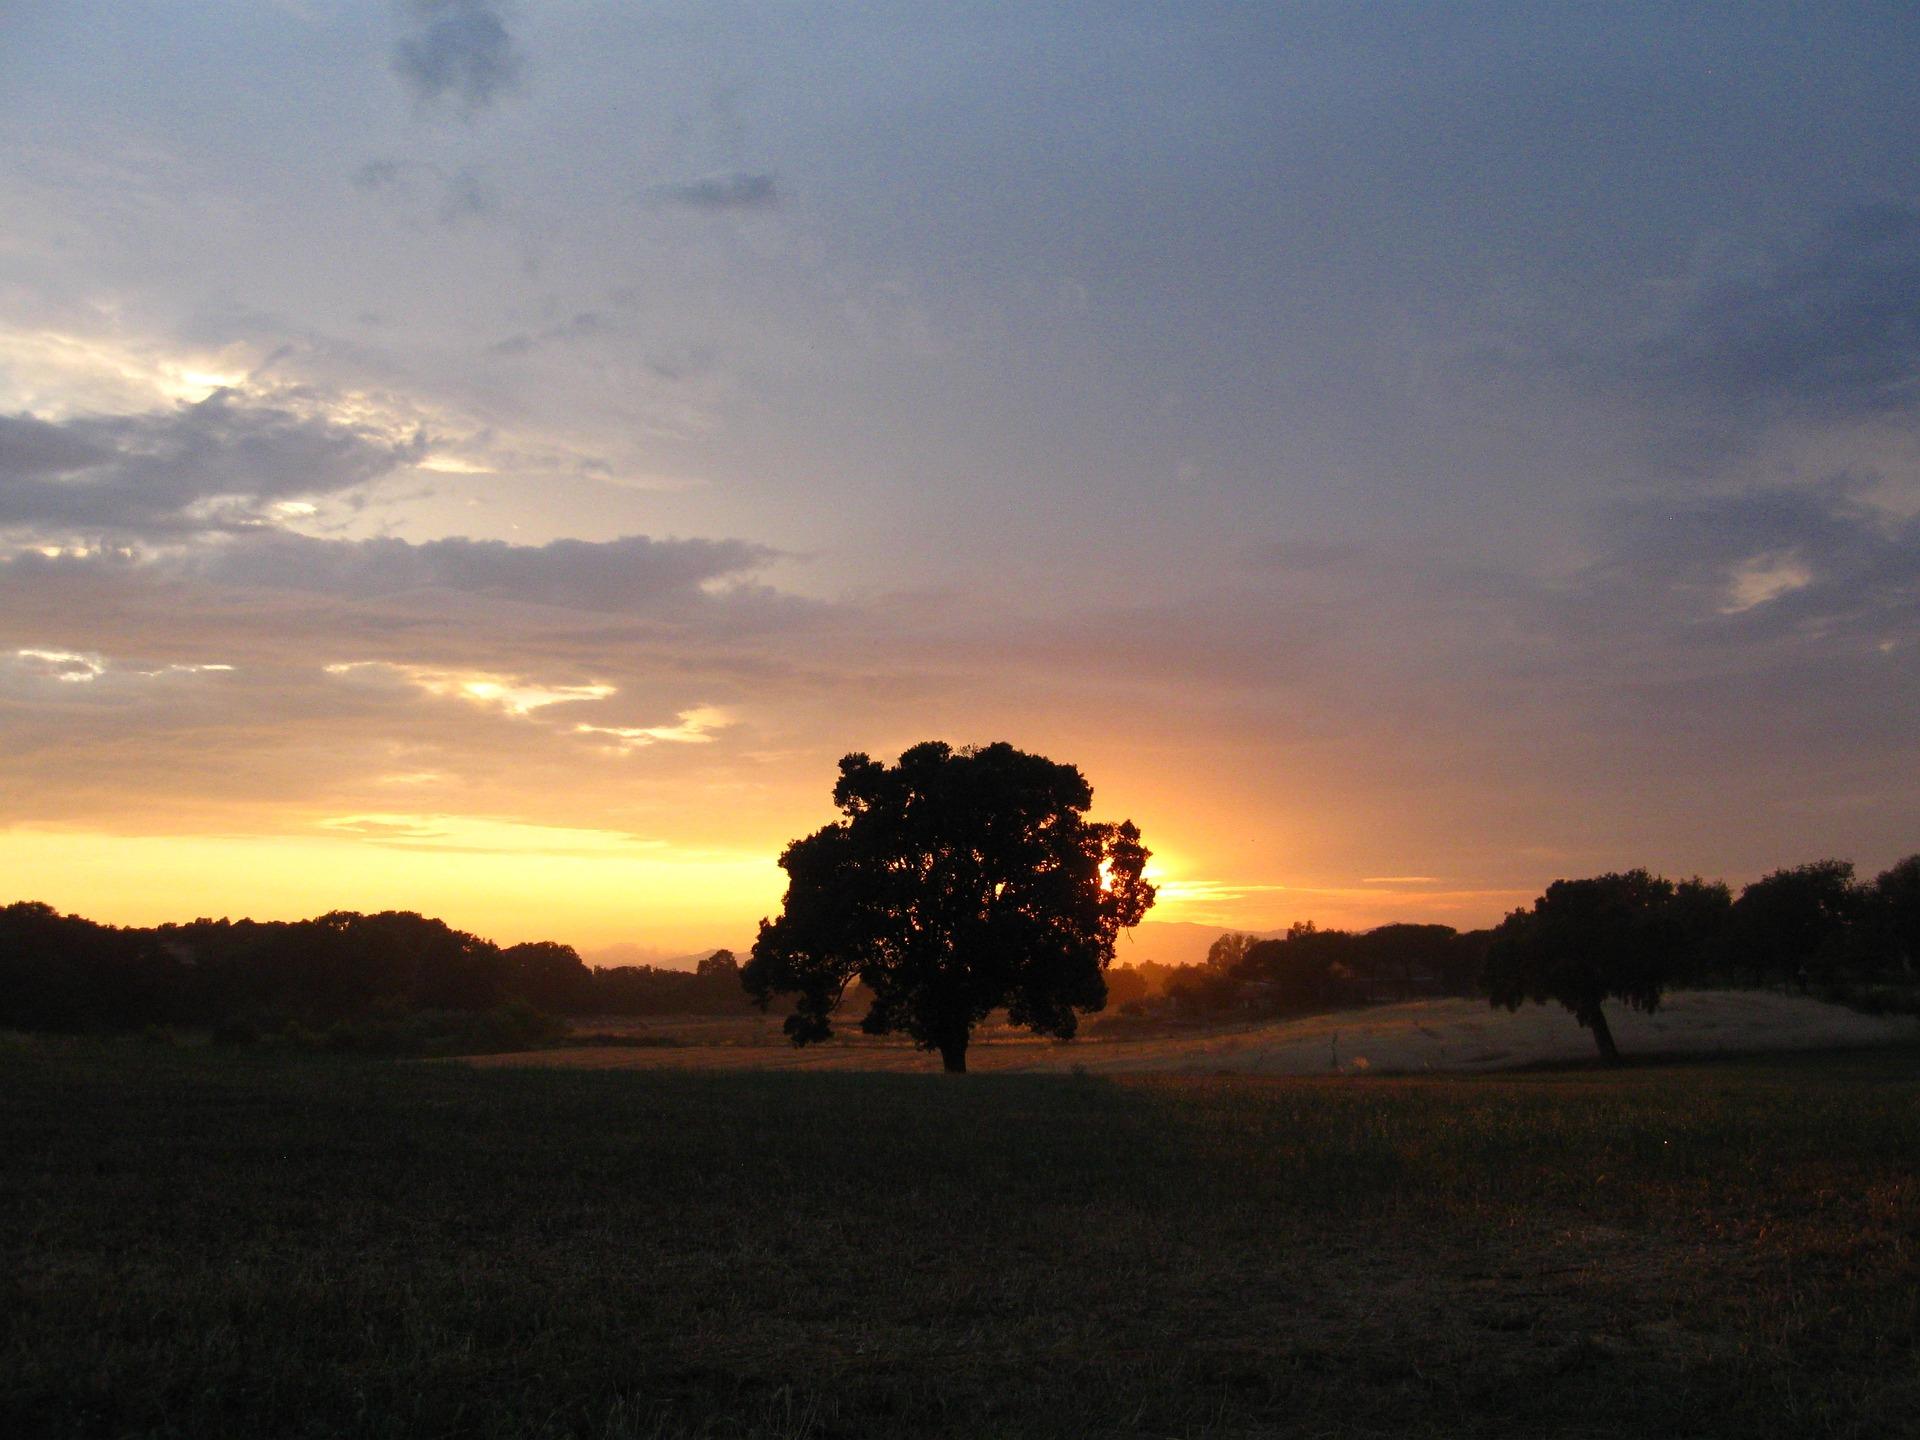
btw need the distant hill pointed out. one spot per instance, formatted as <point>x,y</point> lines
<point>628,952</point>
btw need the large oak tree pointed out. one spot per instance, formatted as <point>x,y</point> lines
<point>958,883</point>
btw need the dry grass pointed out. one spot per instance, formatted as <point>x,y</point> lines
<point>1426,1036</point>
<point>205,1244</point>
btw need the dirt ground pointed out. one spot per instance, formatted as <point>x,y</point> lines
<point>1450,1035</point>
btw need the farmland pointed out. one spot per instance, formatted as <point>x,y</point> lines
<point>260,1241</point>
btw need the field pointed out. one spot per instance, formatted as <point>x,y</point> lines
<point>1419,1036</point>
<point>263,1243</point>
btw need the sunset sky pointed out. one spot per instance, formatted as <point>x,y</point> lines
<point>493,459</point>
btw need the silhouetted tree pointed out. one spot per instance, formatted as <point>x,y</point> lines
<point>720,965</point>
<point>1614,937</point>
<point>547,975</point>
<point>959,882</point>
<point>1703,909</point>
<point>1229,950</point>
<point>1304,970</point>
<point>717,978</point>
<point>1126,986</point>
<point>1798,923</point>
<point>1467,963</point>
<point>1413,959</point>
<point>1155,975</point>
<point>1896,898</point>
<point>1201,990</point>
<point>63,972</point>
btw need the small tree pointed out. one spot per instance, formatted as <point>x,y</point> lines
<point>959,882</point>
<point>719,967</point>
<point>1614,937</point>
<point>1229,950</point>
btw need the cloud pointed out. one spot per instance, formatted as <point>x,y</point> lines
<point>736,191</point>
<point>210,465</point>
<point>1828,331</point>
<point>1762,578</point>
<point>508,694</point>
<point>1759,566</point>
<point>193,685</point>
<point>633,573</point>
<point>479,835</point>
<point>66,666</point>
<point>71,667</point>
<point>567,614</point>
<point>32,449</point>
<point>462,49</point>
<point>690,727</point>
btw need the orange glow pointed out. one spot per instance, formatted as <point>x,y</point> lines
<point>586,888</point>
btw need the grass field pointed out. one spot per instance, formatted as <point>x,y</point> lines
<point>1417,1036</point>
<point>263,1243</point>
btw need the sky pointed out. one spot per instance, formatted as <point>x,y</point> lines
<point>493,459</point>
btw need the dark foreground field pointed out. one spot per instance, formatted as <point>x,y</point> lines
<point>202,1243</point>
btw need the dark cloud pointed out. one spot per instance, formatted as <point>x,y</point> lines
<point>204,466</point>
<point>1383,675</point>
<point>1755,650</point>
<point>33,449</point>
<point>565,612</point>
<point>349,661</point>
<point>1829,331</point>
<point>630,574</point>
<point>1762,567</point>
<point>738,191</point>
<point>461,48</point>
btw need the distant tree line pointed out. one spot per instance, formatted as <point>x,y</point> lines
<point>1628,937</point>
<point>1305,970</point>
<point>65,973</point>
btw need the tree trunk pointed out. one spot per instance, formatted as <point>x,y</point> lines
<point>1603,1037</point>
<point>953,1055</point>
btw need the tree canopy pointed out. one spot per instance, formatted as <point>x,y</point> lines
<point>1897,898</point>
<point>958,883</point>
<point>1612,937</point>
<point>66,973</point>
<point>1801,921</point>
